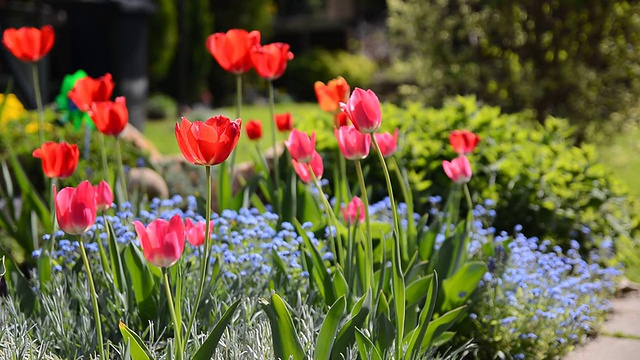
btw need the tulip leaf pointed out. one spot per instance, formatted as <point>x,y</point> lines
<point>44,270</point>
<point>208,348</point>
<point>329,328</point>
<point>286,344</point>
<point>425,317</point>
<point>438,326</point>
<point>115,259</point>
<point>137,348</point>
<point>366,348</point>
<point>346,334</point>
<point>416,290</point>
<point>458,288</point>
<point>318,271</point>
<point>19,287</point>
<point>141,280</point>
<point>224,187</point>
<point>308,210</point>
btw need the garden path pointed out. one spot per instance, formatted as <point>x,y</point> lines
<point>620,336</point>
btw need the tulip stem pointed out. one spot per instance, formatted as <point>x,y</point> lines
<point>276,160</point>
<point>94,298</point>
<point>38,94</point>
<point>174,318</point>
<point>105,163</point>
<point>336,248</point>
<point>394,209</point>
<point>368,242</point>
<point>204,263</point>
<point>123,180</point>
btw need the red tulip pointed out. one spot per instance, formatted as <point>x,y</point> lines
<point>301,146</point>
<point>458,170</point>
<point>354,211</point>
<point>363,109</point>
<point>270,61</point>
<point>388,144</point>
<point>254,129</point>
<point>75,208</point>
<point>340,119</point>
<point>59,160</point>
<point>232,49</point>
<point>104,195</point>
<point>302,169</point>
<point>89,90</point>
<point>28,43</point>
<point>208,142</point>
<point>284,122</point>
<point>196,232</point>
<point>353,144</point>
<point>162,241</point>
<point>331,95</point>
<point>463,141</point>
<point>110,117</point>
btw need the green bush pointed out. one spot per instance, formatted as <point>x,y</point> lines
<point>161,106</point>
<point>534,174</point>
<point>572,59</point>
<point>304,70</point>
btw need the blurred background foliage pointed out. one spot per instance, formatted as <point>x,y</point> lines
<point>578,60</point>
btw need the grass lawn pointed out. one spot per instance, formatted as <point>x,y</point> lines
<point>621,154</point>
<point>161,133</point>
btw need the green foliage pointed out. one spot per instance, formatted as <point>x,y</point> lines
<point>163,39</point>
<point>323,65</point>
<point>534,174</point>
<point>161,106</point>
<point>572,59</point>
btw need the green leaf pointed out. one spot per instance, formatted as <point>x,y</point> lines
<point>44,270</point>
<point>115,260</point>
<point>329,328</point>
<point>224,187</point>
<point>19,287</point>
<point>307,208</point>
<point>458,288</point>
<point>438,326</point>
<point>138,349</point>
<point>416,290</point>
<point>426,314</point>
<point>286,344</point>
<point>208,348</point>
<point>346,334</point>
<point>398,297</point>
<point>366,348</point>
<point>319,271</point>
<point>141,281</point>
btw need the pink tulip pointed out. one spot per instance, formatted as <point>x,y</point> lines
<point>162,241</point>
<point>388,144</point>
<point>353,211</point>
<point>463,141</point>
<point>104,196</point>
<point>353,144</point>
<point>458,170</point>
<point>196,232</point>
<point>363,109</point>
<point>301,146</point>
<point>76,208</point>
<point>303,169</point>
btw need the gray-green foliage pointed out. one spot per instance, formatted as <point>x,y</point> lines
<point>574,59</point>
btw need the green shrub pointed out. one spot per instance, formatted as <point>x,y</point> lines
<point>304,70</point>
<point>572,59</point>
<point>535,175</point>
<point>161,106</point>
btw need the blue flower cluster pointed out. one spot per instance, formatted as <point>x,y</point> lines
<point>538,301</point>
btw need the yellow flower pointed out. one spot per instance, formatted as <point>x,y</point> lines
<point>32,127</point>
<point>13,109</point>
